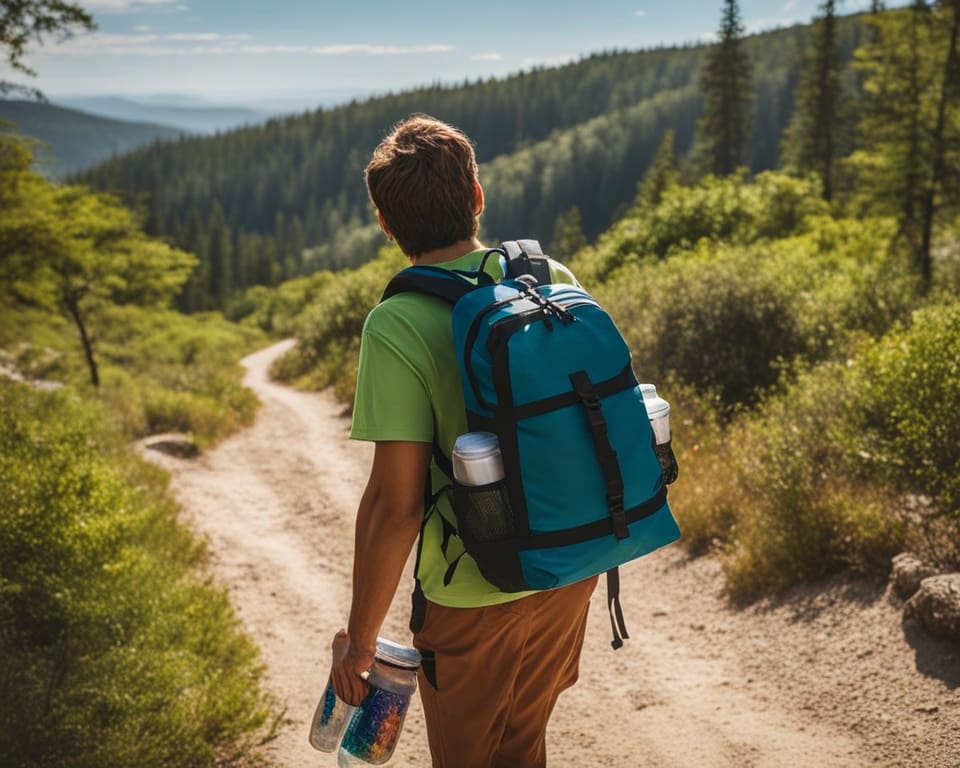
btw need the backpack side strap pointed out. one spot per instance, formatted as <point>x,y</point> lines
<point>431,281</point>
<point>526,257</point>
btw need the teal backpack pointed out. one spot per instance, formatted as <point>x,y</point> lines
<point>544,367</point>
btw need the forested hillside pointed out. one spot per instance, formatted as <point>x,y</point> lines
<point>72,141</point>
<point>267,203</point>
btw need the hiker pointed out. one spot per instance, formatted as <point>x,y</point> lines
<point>493,662</point>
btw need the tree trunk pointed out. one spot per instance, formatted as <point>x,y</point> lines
<point>73,309</point>
<point>951,70</point>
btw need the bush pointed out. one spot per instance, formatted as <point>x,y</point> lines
<point>277,311</point>
<point>114,649</point>
<point>711,317</point>
<point>733,210</point>
<point>836,470</point>
<point>910,407</point>
<point>805,515</point>
<point>329,336</point>
<point>731,319</point>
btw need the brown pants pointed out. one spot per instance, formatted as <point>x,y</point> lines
<point>491,676</point>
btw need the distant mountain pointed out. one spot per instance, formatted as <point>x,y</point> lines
<point>191,116</point>
<point>73,141</point>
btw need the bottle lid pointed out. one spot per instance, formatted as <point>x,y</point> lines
<point>476,444</point>
<point>654,404</point>
<point>396,654</point>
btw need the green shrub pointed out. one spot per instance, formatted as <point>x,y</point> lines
<point>733,209</point>
<point>910,407</point>
<point>115,651</point>
<point>842,279</point>
<point>731,319</point>
<point>711,316</point>
<point>329,336</point>
<point>804,514</point>
<point>277,311</point>
<point>829,473</point>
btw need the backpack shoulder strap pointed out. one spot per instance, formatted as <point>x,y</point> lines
<point>431,281</point>
<point>526,257</point>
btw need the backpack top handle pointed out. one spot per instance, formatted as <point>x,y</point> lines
<point>526,257</point>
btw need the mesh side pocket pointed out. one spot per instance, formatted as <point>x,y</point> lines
<point>483,512</point>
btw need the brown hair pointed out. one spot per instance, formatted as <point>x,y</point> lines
<point>422,180</point>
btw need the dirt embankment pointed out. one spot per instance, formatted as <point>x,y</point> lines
<point>823,677</point>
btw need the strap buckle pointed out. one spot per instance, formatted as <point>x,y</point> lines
<point>618,515</point>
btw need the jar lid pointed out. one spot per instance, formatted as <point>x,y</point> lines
<point>476,444</point>
<point>397,655</point>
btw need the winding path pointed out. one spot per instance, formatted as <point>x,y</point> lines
<point>826,678</point>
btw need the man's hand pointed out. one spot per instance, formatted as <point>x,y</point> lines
<point>350,665</point>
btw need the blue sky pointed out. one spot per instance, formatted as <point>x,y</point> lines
<point>286,49</point>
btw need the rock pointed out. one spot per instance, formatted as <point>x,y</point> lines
<point>906,574</point>
<point>172,444</point>
<point>936,605</point>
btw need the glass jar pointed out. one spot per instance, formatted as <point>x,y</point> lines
<point>374,728</point>
<point>329,720</point>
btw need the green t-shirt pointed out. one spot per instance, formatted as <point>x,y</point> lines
<point>407,374</point>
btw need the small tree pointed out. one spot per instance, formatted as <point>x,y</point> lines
<point>725,82</point>
<point>68,250</point>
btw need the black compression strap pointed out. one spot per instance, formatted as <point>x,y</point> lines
<point>626,379</point>
<point>418,601</point>
<point>606,456</point>
<point>596,529</point>
<point>617,624</point>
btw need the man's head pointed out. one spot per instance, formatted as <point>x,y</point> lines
<point>423,180</point>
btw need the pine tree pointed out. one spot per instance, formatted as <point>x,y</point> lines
<point>220,258</point>
<point>193,297</point>
<point>813,139</point>
<point>568,237</point>
<point>725,126</point>
<point>910,129</point>
<point>661,175</point>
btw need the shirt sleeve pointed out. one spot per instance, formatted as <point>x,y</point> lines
<point>391,401</point>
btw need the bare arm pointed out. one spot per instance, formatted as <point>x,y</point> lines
<point>388,523</point>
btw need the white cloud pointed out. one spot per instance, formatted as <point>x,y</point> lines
<point>378,50</point>
<point>641,14</point>
<point>128,6</point>
<point>204,37</point>
<point>789,6</point>
<point>150,44</point>
<point>487,57</point>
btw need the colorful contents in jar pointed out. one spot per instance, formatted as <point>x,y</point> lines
<point>329,704</point>
<point>372,734</point>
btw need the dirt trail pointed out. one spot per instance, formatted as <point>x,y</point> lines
<point>825,677</point>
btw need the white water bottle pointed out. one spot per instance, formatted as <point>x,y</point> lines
<point>658,410</point>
